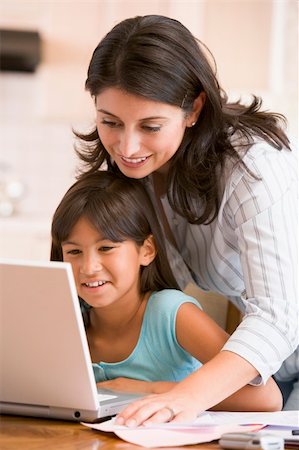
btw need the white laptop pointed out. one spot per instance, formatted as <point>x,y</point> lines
<point>45,364</point>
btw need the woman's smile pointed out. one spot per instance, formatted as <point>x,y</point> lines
<point>134,162</point>
<point>140,135</point>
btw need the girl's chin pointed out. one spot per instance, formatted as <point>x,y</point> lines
<point>92,294</point>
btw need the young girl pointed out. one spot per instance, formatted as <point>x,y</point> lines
<point>144,334</point>
<point>224,183</point>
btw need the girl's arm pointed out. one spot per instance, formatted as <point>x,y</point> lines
<point>131,385</point>
<point>219,381</point>
<point>199,335</point>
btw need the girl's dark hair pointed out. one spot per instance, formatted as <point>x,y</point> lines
<point>156,57</point>
<point>120,209</point>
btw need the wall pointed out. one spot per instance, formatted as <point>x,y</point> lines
<point>254,43</point>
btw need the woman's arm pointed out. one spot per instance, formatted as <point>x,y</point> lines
<point>198,334</point>
<point>263,222</point>
<point>266,397</point>
<point>213,382</point>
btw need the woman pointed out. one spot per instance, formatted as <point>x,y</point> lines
<point>223,179</point>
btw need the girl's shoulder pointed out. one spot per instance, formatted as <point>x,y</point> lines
<point>169,299</point>
<point>161,312</point>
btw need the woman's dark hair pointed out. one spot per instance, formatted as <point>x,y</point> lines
<point>156,57</point>
<point>120,209</point>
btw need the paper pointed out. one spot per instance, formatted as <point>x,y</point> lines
<point>284,431</point>
<point>207,427</point>
<point>288,418</point>
<point>165,435</point>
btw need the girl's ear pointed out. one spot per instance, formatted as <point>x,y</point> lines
<point>148,251</point>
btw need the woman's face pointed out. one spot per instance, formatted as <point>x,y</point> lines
<point>140,135</point>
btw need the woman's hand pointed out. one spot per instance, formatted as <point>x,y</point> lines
<point>130,385</point>
<point>172,406</point>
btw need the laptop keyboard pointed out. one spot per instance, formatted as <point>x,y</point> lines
<point>103,397</point>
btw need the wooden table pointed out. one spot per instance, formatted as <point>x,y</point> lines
<point>23,433</point>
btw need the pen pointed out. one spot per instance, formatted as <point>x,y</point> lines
<point>295,432</point>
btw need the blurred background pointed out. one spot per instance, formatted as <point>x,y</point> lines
<point>254,42</point>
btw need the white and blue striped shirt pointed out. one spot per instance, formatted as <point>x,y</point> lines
<point>249,254</point>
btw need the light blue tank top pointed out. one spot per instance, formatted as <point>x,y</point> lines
<point>157,355</point>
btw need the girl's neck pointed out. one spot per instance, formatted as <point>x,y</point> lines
<point>118,320</point>
<point>113,334</point>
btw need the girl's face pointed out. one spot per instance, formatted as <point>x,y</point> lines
<point>104,271</point>
<point>140,135</point>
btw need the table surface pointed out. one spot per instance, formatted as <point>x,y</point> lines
<point>24,433</point>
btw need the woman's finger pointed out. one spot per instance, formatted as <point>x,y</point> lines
<point>168,414</point>
<point>164,414</point>
<point>130,411</point>
<point>138,412</point>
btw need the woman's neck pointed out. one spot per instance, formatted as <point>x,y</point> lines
<point>160,183</point>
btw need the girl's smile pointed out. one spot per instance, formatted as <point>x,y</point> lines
<point>93,287</point>
<point>104,271</point>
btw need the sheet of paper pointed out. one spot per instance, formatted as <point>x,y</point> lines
<point>166,435</point>
<point>207,427</point>
<point>284,431</point>
<point>175,437</point>
<point>289,418</point>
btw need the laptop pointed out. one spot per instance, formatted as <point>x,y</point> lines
<point>45,364</point>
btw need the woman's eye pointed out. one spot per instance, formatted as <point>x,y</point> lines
<point>151,129</point>
<point>105,248</point>
<point>110,123</point>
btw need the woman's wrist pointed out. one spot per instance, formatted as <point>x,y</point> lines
<point>159,387</point>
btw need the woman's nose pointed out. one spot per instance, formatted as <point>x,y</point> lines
<point>129,143</point>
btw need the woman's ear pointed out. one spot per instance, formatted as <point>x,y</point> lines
<point>148,251</point>
<point>196,110</point>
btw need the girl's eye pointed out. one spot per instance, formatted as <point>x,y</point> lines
<point>73,252</point>
<point>110,123</point>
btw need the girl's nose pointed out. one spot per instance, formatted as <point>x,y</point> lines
<point>91,264</point>
<point>129,143</point>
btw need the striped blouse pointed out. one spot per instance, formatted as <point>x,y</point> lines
<point>249,254</point>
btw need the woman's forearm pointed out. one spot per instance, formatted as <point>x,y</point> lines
<point>253,398</point>
<point>215,381</point>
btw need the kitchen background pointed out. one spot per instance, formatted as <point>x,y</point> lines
<point>254,42</point>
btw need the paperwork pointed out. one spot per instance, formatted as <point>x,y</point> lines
<point>204,429</point>
<point>288,418</point>
<point>208,426</point>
